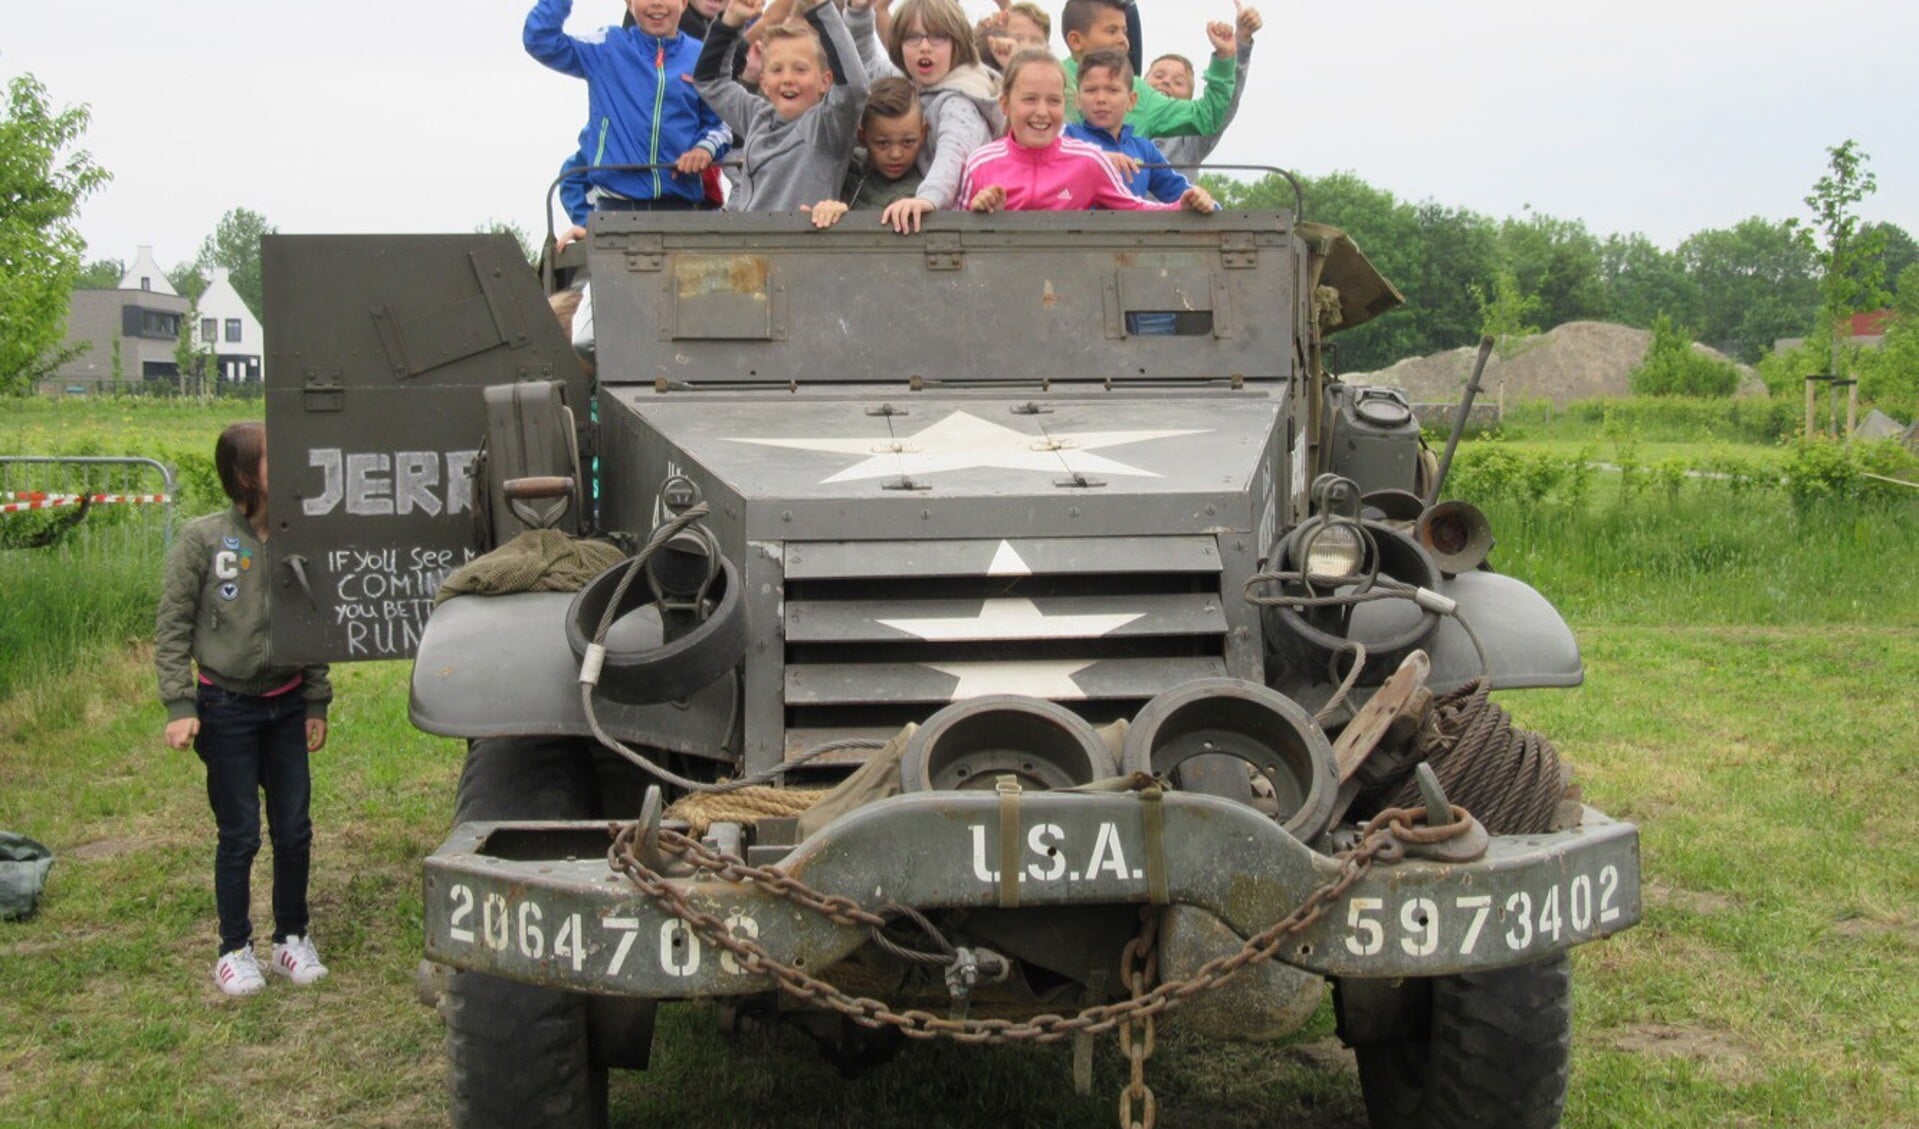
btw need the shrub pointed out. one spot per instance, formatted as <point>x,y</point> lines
<point>1674,368</point>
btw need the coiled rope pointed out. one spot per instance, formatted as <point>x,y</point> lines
<point>1511,779</point>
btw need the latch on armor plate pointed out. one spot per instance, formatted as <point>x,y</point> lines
<point>943,251</point>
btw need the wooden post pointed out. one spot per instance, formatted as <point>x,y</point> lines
<point>1811,393</point>
<point>1852,407</point>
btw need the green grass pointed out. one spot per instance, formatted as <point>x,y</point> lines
<point>1748,703</point>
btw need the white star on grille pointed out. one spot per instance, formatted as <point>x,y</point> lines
<point>963,441</point>
<point>1012,619</point>
<point>1052,680</point>
<point>1008,562</point>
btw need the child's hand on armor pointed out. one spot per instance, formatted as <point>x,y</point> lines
<point>694,161</point>
<point>826,213</point>
<point>1197,199</point>
<point>989,199</point>
<point>1125,164</point>
<point>568,237</point>
<point>903,216</point>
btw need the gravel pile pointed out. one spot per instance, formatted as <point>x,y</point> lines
<point>1580,360</point>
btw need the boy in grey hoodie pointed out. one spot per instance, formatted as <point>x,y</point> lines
<point>796,141</point>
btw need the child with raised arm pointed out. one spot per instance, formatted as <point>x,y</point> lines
<point>1172,75</point>
<point>1034,168</point>
<point>930,42</point>
<point>797,140</point>
<point>641,111</point>
<point>1098,25</point>
<point>885,167</point>
<point>1011,29</point>
<point>252,721</point>
<point>1105,98</point>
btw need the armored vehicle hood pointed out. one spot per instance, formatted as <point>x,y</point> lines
<point>966,466</point>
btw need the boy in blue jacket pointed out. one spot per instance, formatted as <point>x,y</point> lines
<point>642,110</point>
<point>1105,98</point>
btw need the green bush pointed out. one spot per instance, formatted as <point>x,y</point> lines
<point>1661,419</point>
<point>1821,470</point>
<point>1674,368</point>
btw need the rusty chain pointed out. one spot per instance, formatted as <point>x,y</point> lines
<point>1139,963</point>
<point>1381,839</point>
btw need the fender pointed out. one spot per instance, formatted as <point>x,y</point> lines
<point>499,666</point>
<point>1527,641</point>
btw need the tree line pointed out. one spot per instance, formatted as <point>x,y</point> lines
<point>1738,288</point>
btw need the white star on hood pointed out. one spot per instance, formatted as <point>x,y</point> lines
<point>963,441</point>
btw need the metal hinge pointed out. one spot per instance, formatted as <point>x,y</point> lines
<point>1238,250</point>
<point>325,390</point>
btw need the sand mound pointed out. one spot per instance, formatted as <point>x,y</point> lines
<point>1580,360</point>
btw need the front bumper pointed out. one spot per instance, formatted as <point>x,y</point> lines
<point>538,903</point>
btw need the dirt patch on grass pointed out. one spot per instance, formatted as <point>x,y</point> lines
<point>107,848</point>
<point>1866,928</point>
<point>1691,901</point>
<point>1719,1054</point>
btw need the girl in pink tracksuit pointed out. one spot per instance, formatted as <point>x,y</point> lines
<point>1034,169</point>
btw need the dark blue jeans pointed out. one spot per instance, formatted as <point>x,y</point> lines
<point>250,743</point>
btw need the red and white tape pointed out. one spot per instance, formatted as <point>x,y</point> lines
<point>21,501</point>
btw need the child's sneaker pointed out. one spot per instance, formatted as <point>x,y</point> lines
<point>238,973</point>
<point>295,959</point>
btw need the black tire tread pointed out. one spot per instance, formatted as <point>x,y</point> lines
<point>1496,1054</point>
<point>519,1055</point>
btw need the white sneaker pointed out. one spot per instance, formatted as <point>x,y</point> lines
<point>296,959</point>
<point>238,973</point>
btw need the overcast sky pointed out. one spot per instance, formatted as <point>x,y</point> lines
<point>354,116</point>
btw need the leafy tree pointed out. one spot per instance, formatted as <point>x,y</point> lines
<point>235,245</point>
<point>101,274</point>
<point>1674,368</point>
<point>1850,257</point>
<point>1506,315</point>
<point>1557,261</point>
<point>42,182</point>
<point>1889,375</point>
<point>1643,280</point>
<point>1898,251</point>
<point>187,281</point>
<point>1757,284</point>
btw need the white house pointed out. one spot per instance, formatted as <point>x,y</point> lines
<point>145,274</point>
<point>229,328</point>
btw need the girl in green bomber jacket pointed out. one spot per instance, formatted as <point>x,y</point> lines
<point>251,722</point>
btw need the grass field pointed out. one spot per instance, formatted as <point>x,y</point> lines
<point>1749,703</point>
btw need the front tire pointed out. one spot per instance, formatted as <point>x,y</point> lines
<point>520,1055</point>
<point>1483,1049</point>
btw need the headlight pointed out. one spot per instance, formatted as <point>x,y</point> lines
<point>1333,551</point>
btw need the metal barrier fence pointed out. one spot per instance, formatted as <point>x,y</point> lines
<point>86,507</point>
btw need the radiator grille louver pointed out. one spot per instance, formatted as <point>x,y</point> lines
<point>878,634</point>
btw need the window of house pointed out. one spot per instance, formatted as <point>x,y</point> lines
<point>209,330</point>
<point>233,330</point>
<point>146,282</point>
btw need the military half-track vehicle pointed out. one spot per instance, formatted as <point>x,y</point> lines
<point>1114,631</point>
